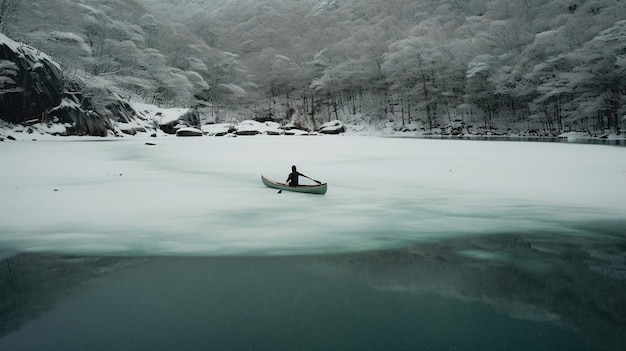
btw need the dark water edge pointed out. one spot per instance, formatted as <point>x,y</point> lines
<point>577,140</point>
<point>502,292</point>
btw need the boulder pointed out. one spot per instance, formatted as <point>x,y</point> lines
<point>81,122</point>
<point>188,131</point>
<point>219,129</point>
<point>247,132</point>
<point>332,127</point>
<point>250,127</point>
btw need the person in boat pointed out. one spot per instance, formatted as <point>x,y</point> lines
<point>293,178</point>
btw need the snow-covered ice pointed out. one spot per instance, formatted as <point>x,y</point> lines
<point>204,196</point>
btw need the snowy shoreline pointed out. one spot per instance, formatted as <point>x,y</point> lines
<point>155,122</point>
<point>40,132</point>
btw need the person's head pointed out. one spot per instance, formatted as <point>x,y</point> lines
<point>293,168</point>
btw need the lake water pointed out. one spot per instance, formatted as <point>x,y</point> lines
<point>418,244</point>
<point>572,140</point>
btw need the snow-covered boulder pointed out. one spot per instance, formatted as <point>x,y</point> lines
<point>166,119</point>
<point>188,131</point>
<point>296,132</point>
<point>250,127</point>
<point>332,127</point>
<point>218,129</point>
<point>81,121</point>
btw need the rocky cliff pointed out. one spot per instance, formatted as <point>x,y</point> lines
<point>35,90</point>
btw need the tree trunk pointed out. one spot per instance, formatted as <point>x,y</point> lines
<point>408,108</point>
<point>426,98</point>
<point>402,111</point>
<point>615,107</point>
<point>600,121</point>
<point>559,119</point>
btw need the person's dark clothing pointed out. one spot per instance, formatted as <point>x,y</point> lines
<point>293,180</point>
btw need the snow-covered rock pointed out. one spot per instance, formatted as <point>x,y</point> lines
<point>28,79</point>
<point>250,127</point>
<point>166,119</point>
<point>218,129</point>
<point>332,127</point>
<point>188,131</point>
<point>35,91</point>
<point>296,132</point>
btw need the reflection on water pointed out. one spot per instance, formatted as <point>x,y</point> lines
<point>593,141</point>
<point>490,293</point>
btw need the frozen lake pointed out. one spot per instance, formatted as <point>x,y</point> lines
<point>418,244</point>
<point>204,196</point>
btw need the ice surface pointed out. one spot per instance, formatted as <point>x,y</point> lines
<point>204,196</point>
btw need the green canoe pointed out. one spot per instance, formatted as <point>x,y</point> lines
<point>319,189</point>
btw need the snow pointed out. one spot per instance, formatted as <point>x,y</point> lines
<point>162,115</point>
<point>234,89</point>
<point>216,129</point>
<point>204,196</point>
<point>188,131</point>
<point>250,126</point>
<point>54,128</point>
<point>332,127</point>
<point>72,38</point>
<point>22,49</point>
<point>67,103</point>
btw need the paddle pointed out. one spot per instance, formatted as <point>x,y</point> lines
<point>317,181</point>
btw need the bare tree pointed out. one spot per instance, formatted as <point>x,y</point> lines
<point>8,8</point>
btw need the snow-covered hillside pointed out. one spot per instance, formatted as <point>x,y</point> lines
<point>528,67</point>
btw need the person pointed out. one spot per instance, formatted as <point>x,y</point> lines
<point>292,179</point>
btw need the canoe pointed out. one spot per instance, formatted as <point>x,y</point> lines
<point>319,189</point>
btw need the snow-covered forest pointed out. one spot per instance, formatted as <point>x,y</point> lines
<point>527,66</point>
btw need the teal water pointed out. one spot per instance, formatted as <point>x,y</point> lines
<point>491,293</point>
